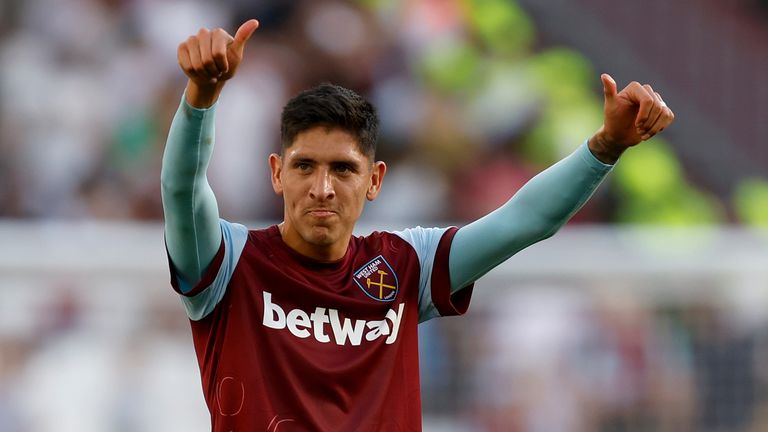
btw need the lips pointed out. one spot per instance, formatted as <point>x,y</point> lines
<point>321,213</point>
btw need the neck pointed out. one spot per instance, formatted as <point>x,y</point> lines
<point>318,252</point>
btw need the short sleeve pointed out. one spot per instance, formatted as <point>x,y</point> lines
<point>201,299</point>
<point>433,246</point>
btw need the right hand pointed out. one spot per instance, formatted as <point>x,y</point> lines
<point>210,58</point>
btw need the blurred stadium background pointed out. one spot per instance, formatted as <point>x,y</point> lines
<point>649,312</point>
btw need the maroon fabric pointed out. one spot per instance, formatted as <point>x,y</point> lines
<point>208,276</point>
<point>447,304</point>
<point>261,373</point>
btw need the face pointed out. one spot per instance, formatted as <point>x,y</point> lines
<point>325,180</point>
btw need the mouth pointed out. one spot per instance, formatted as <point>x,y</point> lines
<point>321,213</point>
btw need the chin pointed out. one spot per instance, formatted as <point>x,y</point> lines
<point>321,236</point>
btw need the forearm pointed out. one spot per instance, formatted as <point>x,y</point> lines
<point>192,231</point>
<point>534,213</point>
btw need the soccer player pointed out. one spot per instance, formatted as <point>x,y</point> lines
<point>302,326</point>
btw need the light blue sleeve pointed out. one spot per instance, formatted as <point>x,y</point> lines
<point>200,305</point>
<point>425,242</point>
<point>534,213</point>
<point>191,214</point>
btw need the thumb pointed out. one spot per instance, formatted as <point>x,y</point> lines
<point>609,87</point>
<point>244,33</point>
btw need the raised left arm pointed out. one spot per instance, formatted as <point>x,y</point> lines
<point>547,202</point>
<point>534,213</point>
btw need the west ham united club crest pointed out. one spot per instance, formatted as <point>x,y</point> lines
<point>377,280</point>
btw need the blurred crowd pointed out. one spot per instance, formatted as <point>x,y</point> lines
<point>472,105</point>
<point>546,356</point>
<point>88,89</point>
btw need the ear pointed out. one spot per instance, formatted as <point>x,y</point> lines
<point>276,166</point>
<point>377,178</point>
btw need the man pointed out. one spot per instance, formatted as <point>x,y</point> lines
<point>302,326</point>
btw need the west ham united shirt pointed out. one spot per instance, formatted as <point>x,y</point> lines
<point>286,343</point>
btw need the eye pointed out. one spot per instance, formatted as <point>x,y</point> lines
<point>344,168</point>
<point>303,166</point>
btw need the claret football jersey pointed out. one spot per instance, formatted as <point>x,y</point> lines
<point>285,343</point>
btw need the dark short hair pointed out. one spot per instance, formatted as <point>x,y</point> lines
<point>331,106</point>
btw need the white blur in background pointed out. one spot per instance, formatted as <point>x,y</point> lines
<point>610,326</point>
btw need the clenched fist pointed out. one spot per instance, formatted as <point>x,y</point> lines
<point>210,58</point>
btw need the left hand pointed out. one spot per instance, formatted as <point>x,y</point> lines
<point>633,115</point>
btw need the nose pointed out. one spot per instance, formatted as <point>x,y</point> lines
<point>322,186</point>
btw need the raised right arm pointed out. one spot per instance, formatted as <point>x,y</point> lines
<point>192,231</point>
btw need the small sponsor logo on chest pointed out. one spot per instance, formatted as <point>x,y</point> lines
<point>377,279</point>
<point>344,330</point>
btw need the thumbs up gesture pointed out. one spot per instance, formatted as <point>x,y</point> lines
<point>633,115</point>
<point>210,58</point>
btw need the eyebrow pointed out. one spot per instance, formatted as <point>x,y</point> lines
<point>303,160</point>
<point>351,162</point>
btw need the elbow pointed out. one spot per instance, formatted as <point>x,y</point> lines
<point>549,233</point>
<point>516,237</point>
<point>167,182</point>
<point>545,229</point>
<point>552,226</point>
<point>167,185</point>
<point>172,188</point>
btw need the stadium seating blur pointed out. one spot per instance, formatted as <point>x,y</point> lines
<point>649,312</point>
